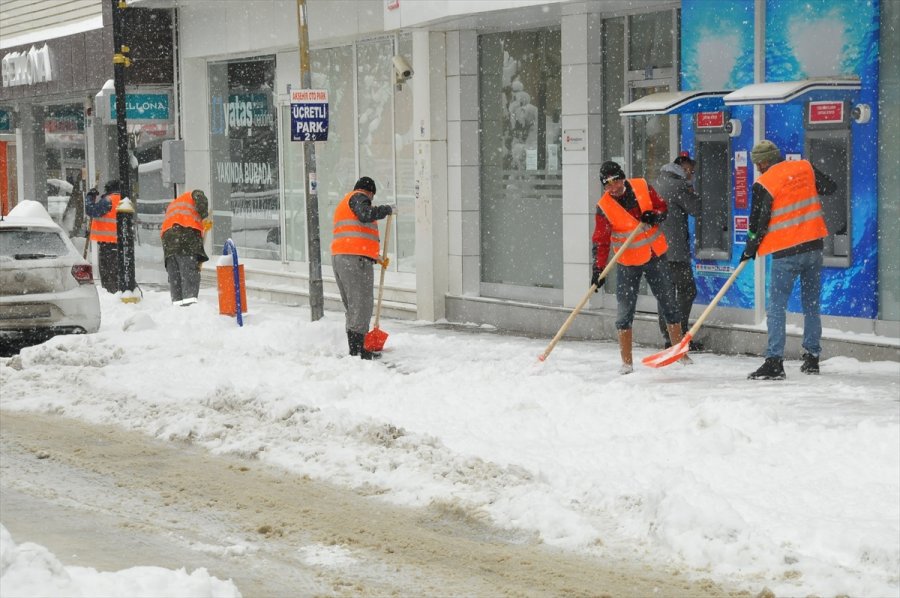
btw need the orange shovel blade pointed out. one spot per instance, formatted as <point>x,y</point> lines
<point>375,339</point>
<point>670,355</point>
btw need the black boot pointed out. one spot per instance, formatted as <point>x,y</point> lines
<point>771,369</point>
<point>357,341</point>
<point>810,364</point>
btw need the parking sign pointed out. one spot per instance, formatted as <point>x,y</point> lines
<point>309,115</point>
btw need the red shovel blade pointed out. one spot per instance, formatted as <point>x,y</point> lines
<point>375,339</point>
<point>670,355</point>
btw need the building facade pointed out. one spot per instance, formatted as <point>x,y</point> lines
<point>492,148</point>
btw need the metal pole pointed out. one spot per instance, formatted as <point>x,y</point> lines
<point>314,243</point>
<point>125,215</point>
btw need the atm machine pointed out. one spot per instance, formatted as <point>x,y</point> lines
<point>827,145</point>
<point>713,181</point>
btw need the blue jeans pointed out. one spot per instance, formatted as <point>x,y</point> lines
<point>808,266</point>
<point>628,283</point>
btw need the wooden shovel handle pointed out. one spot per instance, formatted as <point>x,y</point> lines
<point>615,258</point>
<point>716,299</point>
<point>384,252</point>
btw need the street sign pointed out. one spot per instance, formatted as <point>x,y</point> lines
<point>142,107</point>
<point>309,115</point>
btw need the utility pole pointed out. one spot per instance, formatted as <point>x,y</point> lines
<point>314,242</point>
<point>125,211</point>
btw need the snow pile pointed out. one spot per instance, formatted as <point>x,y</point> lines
<point>31,570</point>
<point>794,485</point>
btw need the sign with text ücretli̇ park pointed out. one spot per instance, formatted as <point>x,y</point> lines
<point>309,115</point>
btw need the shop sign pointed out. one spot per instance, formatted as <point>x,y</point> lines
<point>142,106</point>
<point>740,180</point>
<point>710,120</point>
<point>741,226</point>
<point>25,68</point>
<point>573,139</point>
<point>826,112</point>
<point>309,115</point>
<point>5,121</point>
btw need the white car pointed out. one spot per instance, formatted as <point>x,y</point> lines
<point>46,286</point>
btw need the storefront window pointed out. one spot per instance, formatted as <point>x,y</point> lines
<point>64,145</point>
<point>521,175</point>
<point>385,137</point>
<point>375,90</point>
<point>650,41</point>
<point>613,91</point>
<point>244,156</point>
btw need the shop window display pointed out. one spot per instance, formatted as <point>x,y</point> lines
<point>244,156</point>
<point>521,176</point>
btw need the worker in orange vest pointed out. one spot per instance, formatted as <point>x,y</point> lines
<point>786,220</point>
<point>185,222</point>
<point>355,248</point>
<point>102,210</point>
<point>626,204</point>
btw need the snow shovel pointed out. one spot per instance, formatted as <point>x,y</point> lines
<point>590,291</point>
<point>376,337</point>
<point>676,352</point>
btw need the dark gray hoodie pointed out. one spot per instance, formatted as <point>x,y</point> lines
<point>673,186</point>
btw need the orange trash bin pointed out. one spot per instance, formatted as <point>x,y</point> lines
<point>225,280</point>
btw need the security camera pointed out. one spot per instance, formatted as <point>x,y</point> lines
<point>402,71</point>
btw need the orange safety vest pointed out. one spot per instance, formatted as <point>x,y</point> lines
<point>183,211</point>
<point>103,229</point>
<point>351,236</point>
<point>796,210</point>
<point>623,223</point>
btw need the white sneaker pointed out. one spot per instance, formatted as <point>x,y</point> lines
<point>626,368</point>
<point>686,360</point>
<point>189,301</point>
<point>177,303</point>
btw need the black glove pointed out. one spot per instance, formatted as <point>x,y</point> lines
<point>751,248</point>
<point>596,280</point>
<point>650,217</point>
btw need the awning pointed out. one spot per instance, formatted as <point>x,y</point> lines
<point>676,102</point>
<point>786,92</point>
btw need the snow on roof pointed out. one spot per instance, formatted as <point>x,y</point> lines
<point>676,102</point>
<point>783,92</point>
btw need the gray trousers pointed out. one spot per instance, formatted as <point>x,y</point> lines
<point>355,277</point>
<point>184,276</point>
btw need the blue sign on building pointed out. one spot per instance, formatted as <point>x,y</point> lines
<point>142,106</point>
<point>5,121</point>
<point>309,115</point>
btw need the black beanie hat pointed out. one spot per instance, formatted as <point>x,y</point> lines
<point>111,187</point>
<point>610,171</point>
<point>365,184</point>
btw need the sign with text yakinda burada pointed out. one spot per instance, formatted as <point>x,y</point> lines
<point>309,115</point>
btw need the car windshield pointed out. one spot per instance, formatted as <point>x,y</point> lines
<point>24,244</point>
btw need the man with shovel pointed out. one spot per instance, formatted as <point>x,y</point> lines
<point>625,205</point>
<point>786,220</point>
<point>354,251</point>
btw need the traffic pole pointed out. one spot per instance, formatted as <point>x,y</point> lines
<point>124,217</point>
<point>314,242</point>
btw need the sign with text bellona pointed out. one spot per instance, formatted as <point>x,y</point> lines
<point>309,115</point>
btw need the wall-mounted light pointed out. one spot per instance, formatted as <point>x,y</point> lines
<point>861,113</point>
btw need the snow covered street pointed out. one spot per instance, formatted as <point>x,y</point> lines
<point>791,485</point>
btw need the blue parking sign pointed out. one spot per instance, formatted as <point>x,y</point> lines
<point>309,115</point>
